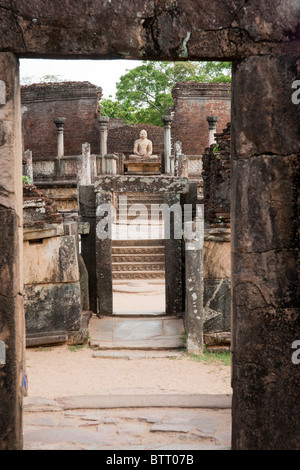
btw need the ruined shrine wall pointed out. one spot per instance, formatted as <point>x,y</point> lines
<point>216,176</point>
<point>76,101</point>
<point>193,102</point>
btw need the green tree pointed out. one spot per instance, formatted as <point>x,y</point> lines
<point>144,93</point>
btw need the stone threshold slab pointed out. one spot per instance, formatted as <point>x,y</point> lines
<point>161,344</point>
<point>136,354</point>
<point>220,401</point>
<point>138,313</point>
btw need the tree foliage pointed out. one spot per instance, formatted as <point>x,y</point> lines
<point>144,93</point>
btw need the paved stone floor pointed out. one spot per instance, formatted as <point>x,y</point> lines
<point>137,332</point>
<point>65,425</point>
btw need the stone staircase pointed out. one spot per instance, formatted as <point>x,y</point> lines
<point>144,257</point>
<point>138,259</point>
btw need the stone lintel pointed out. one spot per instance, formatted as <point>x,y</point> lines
<point>152,184</point>
<point>47,231</point>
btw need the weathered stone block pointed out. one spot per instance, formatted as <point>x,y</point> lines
<point>217,260</point>
<point>217,303</point>
<point>50,260</point>
<point>2,93</point>
<point>151,184</point>
<point>268,122</point>
<point>52,307</point>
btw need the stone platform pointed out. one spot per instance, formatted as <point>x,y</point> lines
<point>142,333</point>
<point>143,166</point>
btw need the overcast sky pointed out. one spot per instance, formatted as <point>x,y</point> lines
<point>104,73</point>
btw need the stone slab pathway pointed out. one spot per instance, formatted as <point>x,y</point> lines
<point>58,425</point>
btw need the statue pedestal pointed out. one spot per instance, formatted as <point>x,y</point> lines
<point>136,165</point>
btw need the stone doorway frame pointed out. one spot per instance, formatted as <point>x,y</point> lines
<point>265,179</point>
<point>100,266</point>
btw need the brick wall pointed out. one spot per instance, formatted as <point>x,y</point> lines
<point>121,137</point>
<point>76,101</point>
<point>216,176</point>
<point>194,101</point>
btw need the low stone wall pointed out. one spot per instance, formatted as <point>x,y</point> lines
<point>52,290</point>
<point>64,195</point>
<point>49,169</point>
<point>52,297</point>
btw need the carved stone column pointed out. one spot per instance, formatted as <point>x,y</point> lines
<point>212,127</point>
<point>173,255</point>
<point>84,165</point>
<point>110,164</point>
<point>103,125</point>
<point>194,235</point>
<point>28,167</point>
<point>60,122</point>
<point>87,205</point>
<point>104,252</point>
<point>167,120</point>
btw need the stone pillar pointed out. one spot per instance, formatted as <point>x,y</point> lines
<point>87,207</point>
<point>167,120</point>
<point>265,253</point>
<point>172,165</point>
<point>60,122</point>
<point>194,233</point>
<point>212,127</point>
<point>28,167</point>
<point>173,256</point>
<point>110,164</point>
<point>104,252</point>
<point>177,153</point>
<point>84,165</point>
<point>103,124</point>
<point>12,329</point>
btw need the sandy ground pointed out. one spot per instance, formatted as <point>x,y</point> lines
<point>58,371</point>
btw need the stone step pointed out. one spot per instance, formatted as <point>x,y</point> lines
<point>140,216</point>
<point>136,258</point>
<point>139,266</point>
<point>138,243</point>
<point>139,196</point>
<point>118,275</point>
<point>145,202</point>
<point>165,332</point>
<point>154,206</point>
<point>138,250</point>
<point>140,220</point>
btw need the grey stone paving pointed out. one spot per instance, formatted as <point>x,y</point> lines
<point>163,332</point>
<point>51,425</point>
